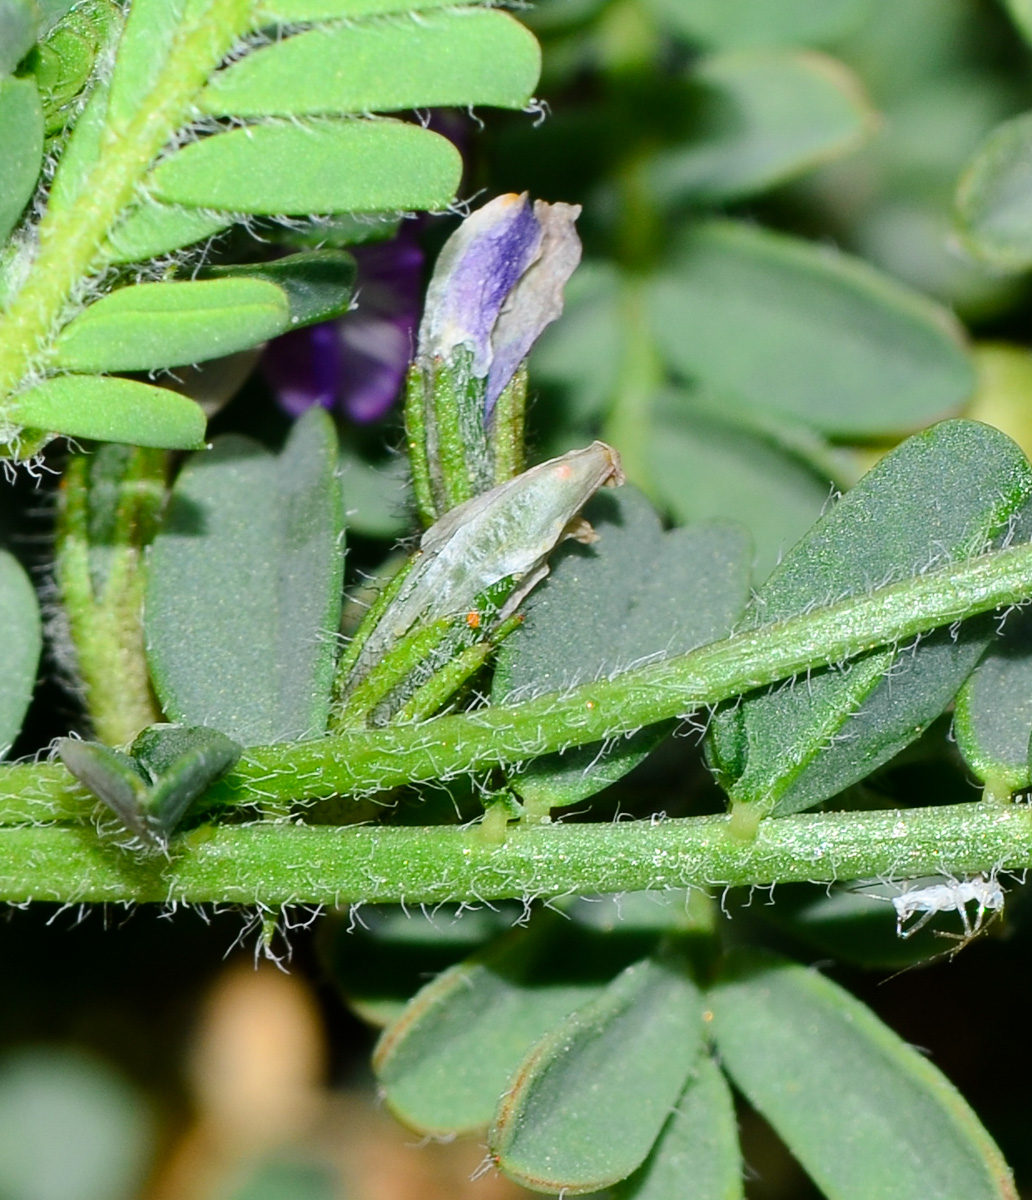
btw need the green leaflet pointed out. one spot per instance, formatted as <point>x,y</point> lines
<point>993,720</point>
<point>593,1095</point>
<point>864,1113</point>
<point>111,410</point>
<point>21,148</point>
<point>244,587</point>
<point>152,325</point>
<point>698,1147</point>
<point>763,117</point>
<point>465,56</point>
<point>946,492</point>
<point>318,284</point>
<point>636,594</point>
<point>315,167</point>
<point>711,460</point>
<point>150,29</point>
<point>21,640</point>
<point>17,32</point>
<point>782,325</point>
<point>994,198</point>
<point>455,1048</point>
<point>151,229</point>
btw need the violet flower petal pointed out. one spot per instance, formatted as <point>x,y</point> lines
<point>478,267</point>
<point>537,298</point>
<point>303,368</point>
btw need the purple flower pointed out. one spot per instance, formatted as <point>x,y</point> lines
<point>498,282</point>
<point>356,363</point>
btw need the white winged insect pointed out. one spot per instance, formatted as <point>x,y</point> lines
<point>952,895</point>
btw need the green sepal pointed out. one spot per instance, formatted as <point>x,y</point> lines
<point>468,56</point>
<point>111,410</point>
<point>591,1098</point>
<point>21,642</point>
<point>312,167</point>
<point>865,1113</point>
<point>319,284</point>
<point>152,325</point>
<point>21,148</point>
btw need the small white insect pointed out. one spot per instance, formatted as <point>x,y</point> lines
<point>952,896</point>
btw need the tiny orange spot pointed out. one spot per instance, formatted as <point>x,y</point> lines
<point>589,704</point>
<point>473,620</point>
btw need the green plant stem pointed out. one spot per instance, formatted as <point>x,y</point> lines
<point>362,762</point>
<point>274,864</point>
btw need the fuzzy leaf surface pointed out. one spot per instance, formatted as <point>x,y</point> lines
<point>864,1113</point>
<point>20,646</point>
<point>151,229</point>
<point>244,588</point>
<point>21,148</point>
<point>945,493</point>
<point>112,410</point>
<point>153,325</point>
<point>591,1098</point>
<point>637,593</point>
<point>764,116</point>
<point>319,167</point>
<point>464,56</point>
<point>446,1060</point>
<point>786,326</point>
<point>699,1144</point>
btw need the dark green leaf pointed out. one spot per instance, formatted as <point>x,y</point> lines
<point>863,1112</point>
<point>763,117</point>
<point>244,588</point>
<point>18,20</point>
<point>329,166</point>
<point>182,761</point>
<point>112,410</point>
<point>591,1098</point>
<point>463,57</point>
<point>712,462</point>
<point>20,644</point>
<point>637,594</point>
<point>21,147</point>
<point>152,325</point>
<point>698,1148</point>
<point>319,284</point>
<point>151,229</point>
<point>783,325</point>
<point>994,198</point>
<point>942,495</point>
<point>993,721</point>
<point>113,777</point>
<point>453,1051</point>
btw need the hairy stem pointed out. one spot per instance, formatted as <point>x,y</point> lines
<point>364,761</point>
<point>274,864</point>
